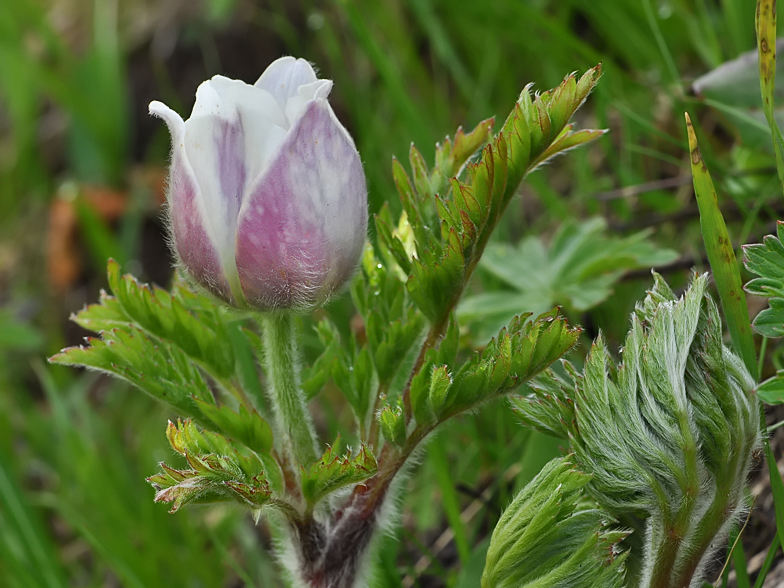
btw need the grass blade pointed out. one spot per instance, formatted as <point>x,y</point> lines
<point>725,270</point>
<point>739,561</point>
<point>23,538</point>
<point>449,497</point>
<point>721,256</point>
<point>766,46</point>
<point>763,573</point>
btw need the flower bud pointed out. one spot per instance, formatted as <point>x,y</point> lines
<point>669,434</point>
<point>547,538</point>
<point>267,195</point>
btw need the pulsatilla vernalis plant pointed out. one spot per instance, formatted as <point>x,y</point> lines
<point>267,209</point>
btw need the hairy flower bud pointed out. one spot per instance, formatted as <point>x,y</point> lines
<point>667,435</point>
<point>267,195</point>
<point>544,538</point>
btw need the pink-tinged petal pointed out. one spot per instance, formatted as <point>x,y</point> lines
<point>216,153</point>
<point>303,224</point>
<point>226,155</point>
<point>190,229</point>
<point>284,76</point>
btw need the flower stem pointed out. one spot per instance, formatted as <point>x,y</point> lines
<point>288,400</point>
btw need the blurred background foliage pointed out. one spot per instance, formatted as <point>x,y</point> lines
<point>82,174</point>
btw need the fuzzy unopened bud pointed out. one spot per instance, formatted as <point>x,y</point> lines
<point>670,432</point>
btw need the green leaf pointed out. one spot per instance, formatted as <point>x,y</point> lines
<point>104,316</point>
<point>156,367</point>
<point>577,271</point>
<point>721,255</point>
<point>440,382</point>
<point>519,352</point>
<point>203,337</point>
<point>669,432</point>
<point>218,473</point>
<point>545,538</point>
<point>771,391</point>
<point>393,424</point>
<point>246,427</point>
<point>549,404</point>
<point>316,376</point>
<point>767,261</point>
<point>334,471</point>
<point>469,198</point>
<point>355,379</point>
<point>766,45</point>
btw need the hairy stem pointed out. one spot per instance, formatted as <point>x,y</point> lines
<point>288,400</point>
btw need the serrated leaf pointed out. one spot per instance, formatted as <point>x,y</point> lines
<point>334,471</point>
<point>104,316</point>
<point>202,337</point>
<point>548,404</point>
<point>767,261</point>
<point>469,206</point>
<point>392,244</point>
<point>243,426</point>
<point>355,378</point>
<point>393,424</point>
<point>156,367</point>
<point>217,474</point>
<point>440,382</point>
<point>519,352</point>
<point>315,377</point>
<point>390,341</point>
<point>419,392</point>
<point>546,538</point>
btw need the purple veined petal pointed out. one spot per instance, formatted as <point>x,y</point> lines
<point>191,233</point>
<point>284,76</point>
<point>226,155</point>
<point>303,223</point>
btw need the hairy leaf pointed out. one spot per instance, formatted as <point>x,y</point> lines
<point>334,471</point>
<point>158,368</point>
<point>545,539</point>
<point>217,473</point>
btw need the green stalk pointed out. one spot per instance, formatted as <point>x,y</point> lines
<point>288,400</point>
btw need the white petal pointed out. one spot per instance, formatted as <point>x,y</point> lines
<point>208,100</point>
<point>220,96</point>
<point>284,76</point>
<point>295,104</point>
<point>172,119</point>
<point>191,231</point>
<point>261,140</point>
<point>215,149</point>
